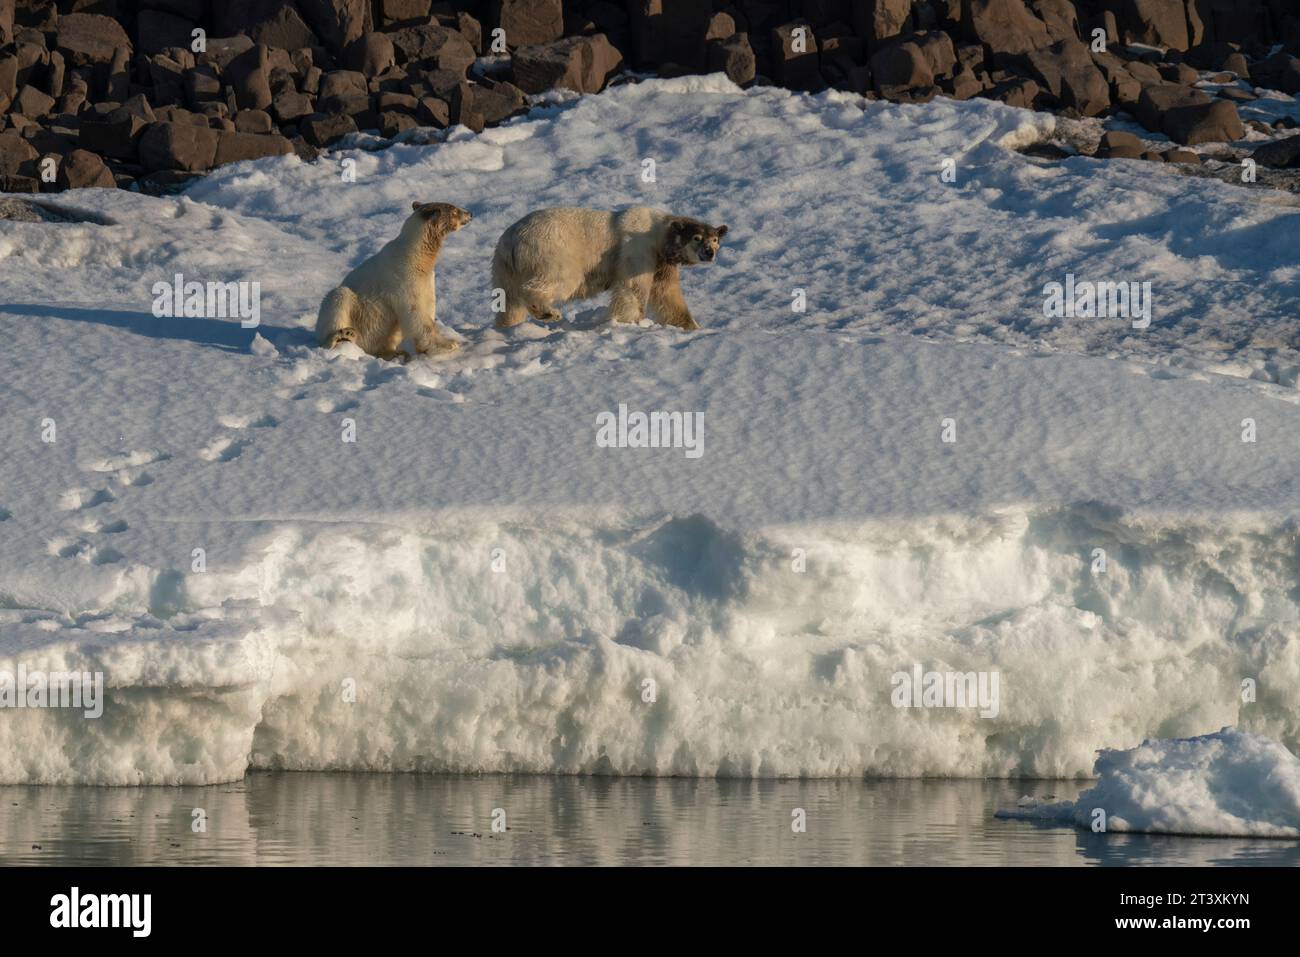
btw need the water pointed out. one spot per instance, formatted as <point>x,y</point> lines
<point>379,819</point>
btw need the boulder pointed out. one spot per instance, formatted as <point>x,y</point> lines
<point>878,20</point>
<point>1066,70</point>
<point>734,57</point>
<point>1214,122</point>
<point>86,39</point>
<point>433,45</point>
<point>497,101</point>
<point>81,169</point>
<point>1005,27</point>
<point>32,103</point>
<point>233,146</point>
<point>254,121</point>
<point>322,129</point>
<point>371,54</point>
<point>249,75</point>
<point>673,31</point>
<point>794,56</point>
<point>582,64</point>
<point>1158,23</point>
<point>529,22</point>
<point>178,146</point>
<point>155,31</point>
<point>900,65</point>
<point>338,22</point>
<point>1280,154</point>
<point>1157,99</point>
<point>291,105</point>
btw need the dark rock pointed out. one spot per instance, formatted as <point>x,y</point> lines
<point>167,79</point>
<point>322,129</point>
<point>249,75</point>
<point>433,111</point>
<point>878,20</point>
<point>1160,23</point>
<point>253,121</point>
<point>1004,26</point>
<point>80,169</point>
<point>529,22</point>
<point>17,156</point>
<point>343,83</point>
<point>32,103</point>
<point>734,57</point>
<point>234,146</point>
<point>498,101</point>
<point>794,56</point>
<point>155,31</point>
<point>582,64</point>
<point>272,22</point>
<point>1060,18</point>
<point>1280,154</point>
<point>1112,139</point>
<point>1066,70</point>
<point>1156,100</point>
<point>338,22</point>
<point>201,85</point>
<point>391,123</point>
<point>85,39</point>
<point>673,31</point>
<point>371,54</point>
<point>1185,157</point>
<point>434,45</point>
<point>1016,91</point>
<point>178,146</point>
<point>1214,122</point>
<point>900,65</point>
<point>290,106</point>
<point>222,51</point>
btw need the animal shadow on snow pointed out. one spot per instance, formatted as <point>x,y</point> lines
<point>224,334</point>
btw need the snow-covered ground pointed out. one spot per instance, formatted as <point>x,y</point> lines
<point>494,590</point>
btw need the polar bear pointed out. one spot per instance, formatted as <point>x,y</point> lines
<point>392,295</point>
<point>557,255</point>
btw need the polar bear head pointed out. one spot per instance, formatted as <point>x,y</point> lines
<point>443,218</point>
<point>691,242</point>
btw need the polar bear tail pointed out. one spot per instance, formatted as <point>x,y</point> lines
<point>334,322</point>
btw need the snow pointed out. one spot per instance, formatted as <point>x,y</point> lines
<point>474,585</point>
<point>1230,783</point>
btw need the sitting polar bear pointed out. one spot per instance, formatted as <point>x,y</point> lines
<point>392,295</point>
<point>557,255</point>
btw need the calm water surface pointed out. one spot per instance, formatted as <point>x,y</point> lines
<point>379,819</point>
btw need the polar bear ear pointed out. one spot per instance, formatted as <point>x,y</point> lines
<point>416,206</point>
<point>721,231</point>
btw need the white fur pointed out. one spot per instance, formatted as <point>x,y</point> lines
<point>557,255</point>
<point>392,295</point>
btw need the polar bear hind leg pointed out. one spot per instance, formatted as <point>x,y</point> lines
<point>334,322</point>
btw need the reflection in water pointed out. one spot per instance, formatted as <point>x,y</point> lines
<point>384,819</point>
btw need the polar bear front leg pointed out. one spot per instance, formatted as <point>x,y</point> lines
<point>628,299</point>
<point>420,329</point>
<point>667,302</point>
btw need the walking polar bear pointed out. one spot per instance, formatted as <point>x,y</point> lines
<point>557,255</point>
<point>392,295</point>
